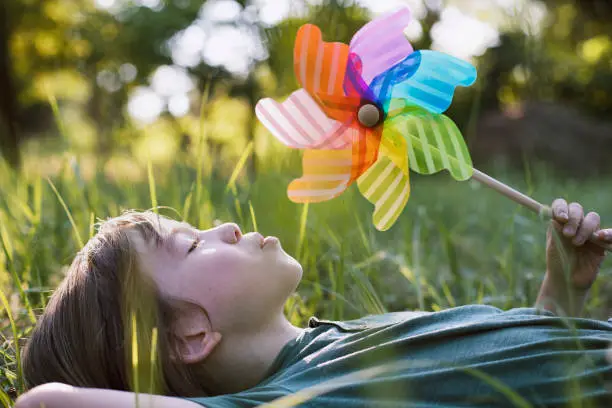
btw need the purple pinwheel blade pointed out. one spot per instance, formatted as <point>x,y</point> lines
<point>381,43</point>
<point>354,84</point>
<point>425,78</point>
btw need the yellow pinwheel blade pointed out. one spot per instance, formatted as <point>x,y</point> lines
<point>386,184</point>
<point>327,173</point>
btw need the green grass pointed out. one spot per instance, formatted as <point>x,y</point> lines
<point>456,243</point>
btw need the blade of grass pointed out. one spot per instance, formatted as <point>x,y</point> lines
<point>56,114</point>
<point>92,224</point>
<point>152,191</point>
<point>231,185</point>
<point>7,307</point>
<point>301,235</point>
<point>187,203</point>
<point>152,389</point>
<point>8,251</point>
<point>5,399</point>
<point>201,148</point>
<point>253,219</point>
<point>77,234</point>
<point>135,370</point>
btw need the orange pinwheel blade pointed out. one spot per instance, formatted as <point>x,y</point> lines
<point>365,143</point>
<point>327,173</point>
<point>320,66</point>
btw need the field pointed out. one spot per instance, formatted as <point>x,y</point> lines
<point>455,244</point>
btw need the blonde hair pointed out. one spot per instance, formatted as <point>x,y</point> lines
<point>85,337</point>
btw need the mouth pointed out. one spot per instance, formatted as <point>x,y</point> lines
<point>270,241</point>
<point>263,242</point>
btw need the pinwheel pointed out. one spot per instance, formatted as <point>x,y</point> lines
<point>369,112</point>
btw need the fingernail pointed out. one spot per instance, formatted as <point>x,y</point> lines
<point>568,230</point>
<point>578,241</point>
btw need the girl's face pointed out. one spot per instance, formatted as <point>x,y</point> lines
<point>242,281</point>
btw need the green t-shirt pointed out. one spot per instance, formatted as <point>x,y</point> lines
<point>466,356</point>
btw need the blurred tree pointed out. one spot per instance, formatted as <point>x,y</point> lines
<point>9,142</point>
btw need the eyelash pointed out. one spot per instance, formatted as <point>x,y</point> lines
<point>194,245</point>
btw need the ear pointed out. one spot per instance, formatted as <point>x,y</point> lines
<point>195,348</point>
<point>193,336</point>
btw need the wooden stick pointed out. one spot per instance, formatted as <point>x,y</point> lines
<point>526,201</point>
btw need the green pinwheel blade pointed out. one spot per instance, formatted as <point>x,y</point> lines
<point>434,142</point>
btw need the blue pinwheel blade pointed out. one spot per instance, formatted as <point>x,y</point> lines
<point>425,78</point>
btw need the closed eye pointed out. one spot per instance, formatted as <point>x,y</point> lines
<point>193,246</point>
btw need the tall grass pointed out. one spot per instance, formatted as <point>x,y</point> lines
<point>456,243</point>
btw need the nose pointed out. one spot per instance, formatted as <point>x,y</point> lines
<point>230,233</point>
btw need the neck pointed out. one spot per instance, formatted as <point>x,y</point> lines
<point>241,360</point>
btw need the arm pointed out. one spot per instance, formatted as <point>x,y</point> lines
<point>572,262</point>
<point>57,395</point>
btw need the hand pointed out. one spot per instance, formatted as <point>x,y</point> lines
<point>568,250</point>
<point>572,262</point>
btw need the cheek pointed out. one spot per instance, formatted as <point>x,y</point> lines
<point>220,274</point>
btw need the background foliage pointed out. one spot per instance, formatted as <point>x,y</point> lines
<point>537,118</point>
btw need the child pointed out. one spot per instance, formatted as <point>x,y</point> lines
<point>216,300</point>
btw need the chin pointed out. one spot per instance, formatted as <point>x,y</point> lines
<point>292,270</point>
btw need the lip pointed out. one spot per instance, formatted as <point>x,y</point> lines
<point>260,238</point>
<point>270,241</point>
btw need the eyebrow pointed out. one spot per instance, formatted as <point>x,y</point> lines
<point>171,237</point>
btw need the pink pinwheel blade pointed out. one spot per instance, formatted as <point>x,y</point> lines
<point>381,43</point>
<point>300,123</point>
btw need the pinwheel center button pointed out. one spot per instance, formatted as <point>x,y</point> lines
<point>369,115</point>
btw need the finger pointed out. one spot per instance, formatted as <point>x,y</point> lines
<point>576,214</point>
<point>605,235</point>
<point>560,210</point>
<point>589,225</point>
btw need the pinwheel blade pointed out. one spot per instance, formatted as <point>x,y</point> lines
<point>386,186</point>
<point>366,144</point>
<point>424,78</point>
<point>381,43</point>
<point>326,174</point>
<point>354,84</point>
<point>319,66</point>
<point>300,123</point>
<point>433,143</point>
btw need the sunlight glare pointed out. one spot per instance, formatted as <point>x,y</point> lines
<point>179,105</point>
<point>221,10</point>
<point>145,105</point>
<point>168,81</point>
<point>462,35</point>
<point>187,46</point>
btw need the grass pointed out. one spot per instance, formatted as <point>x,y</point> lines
<point>456,243</point>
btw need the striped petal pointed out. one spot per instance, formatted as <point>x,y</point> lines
<point>425,78</point>
<point>319,66</point>
<point>433,141</point>
<point>387,186</point>
<point>300,123</point>
<point>381,43</point>
<point>327,173</point>
<point>354,83</point>
<point>365,143</point>
<point>340,108</point>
